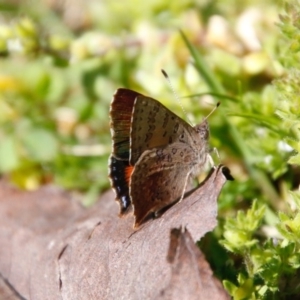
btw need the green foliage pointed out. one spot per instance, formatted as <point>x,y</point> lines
<point>270,266</point>
<point>269,247</point>
<point>239,231</point>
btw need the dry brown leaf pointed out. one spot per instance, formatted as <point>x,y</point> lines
<point>52,248</point>
<point>6,291</point>
<point>191,277</point>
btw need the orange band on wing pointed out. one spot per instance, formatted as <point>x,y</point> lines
<point>128,172</point>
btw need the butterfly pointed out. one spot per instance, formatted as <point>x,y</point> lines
<point>154,154</point>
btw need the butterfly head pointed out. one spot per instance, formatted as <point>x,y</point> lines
<point>203,130</point>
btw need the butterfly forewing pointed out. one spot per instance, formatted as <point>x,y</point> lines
<point>120,121</point>
<point>153,125</point>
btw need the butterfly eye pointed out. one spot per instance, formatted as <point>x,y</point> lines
<point>205,134</point>
<point>203,130</point>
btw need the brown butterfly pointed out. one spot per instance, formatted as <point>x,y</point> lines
<point>154,153</point>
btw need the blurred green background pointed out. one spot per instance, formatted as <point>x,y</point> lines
<point>61,61</point>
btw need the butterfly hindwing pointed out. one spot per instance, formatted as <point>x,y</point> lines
<point>159,179</point>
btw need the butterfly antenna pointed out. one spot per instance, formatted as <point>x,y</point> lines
<point>212,111</point>
<point>176,96</point>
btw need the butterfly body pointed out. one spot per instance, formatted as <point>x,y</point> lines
<point>154,153</point>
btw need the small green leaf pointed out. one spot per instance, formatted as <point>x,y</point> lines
<point>230,287</point>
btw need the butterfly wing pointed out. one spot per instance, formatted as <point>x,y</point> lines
<point>137,123</point>
<point>121,110</point>
<point>120,123</point>
<point>159,178</point>
<point>153,126</point>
